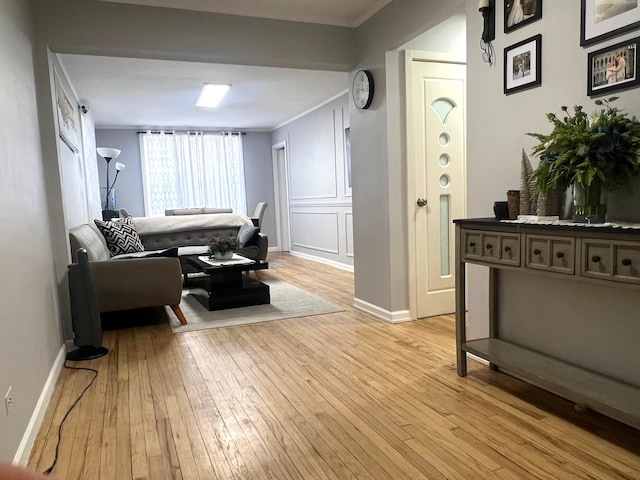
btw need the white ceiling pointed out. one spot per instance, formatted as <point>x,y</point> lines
<point>346,13</point>
<point>134,93</point>
<point>142,93</point>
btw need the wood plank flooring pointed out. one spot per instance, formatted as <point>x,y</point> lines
<point>338,396</point>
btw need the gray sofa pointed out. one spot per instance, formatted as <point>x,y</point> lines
<point>135,280</point>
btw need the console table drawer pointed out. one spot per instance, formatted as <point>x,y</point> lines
<point>618,261</point>
<point>554,254</point>
<point>494,247</point>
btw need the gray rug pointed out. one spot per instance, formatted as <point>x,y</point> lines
<point>287,301</point>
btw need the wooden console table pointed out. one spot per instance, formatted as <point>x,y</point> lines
<point>597,264</point>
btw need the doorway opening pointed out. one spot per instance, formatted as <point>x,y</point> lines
<point>281,195</point>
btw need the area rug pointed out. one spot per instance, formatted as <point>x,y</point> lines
<point>287,301</point>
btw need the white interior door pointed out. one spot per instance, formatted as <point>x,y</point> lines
<point>438,156</point>
<point>281,189</point>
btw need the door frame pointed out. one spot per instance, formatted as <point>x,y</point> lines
<point>281,192</point>
<point>410,57</point>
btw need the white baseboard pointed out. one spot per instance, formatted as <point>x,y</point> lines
<point>24,449</point>
<point>332,263</point>
<point>400,316</point>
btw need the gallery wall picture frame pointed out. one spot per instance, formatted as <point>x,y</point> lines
<point>602,19</point>
<point>68,120</point>
<point>523,65</point>
<point>518,13</point>
<point>613,68</point>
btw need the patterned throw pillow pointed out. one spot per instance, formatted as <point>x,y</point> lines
<point>247,234</point>
<point>121,236</point>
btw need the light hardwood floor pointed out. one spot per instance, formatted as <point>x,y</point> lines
<point>338,396</point>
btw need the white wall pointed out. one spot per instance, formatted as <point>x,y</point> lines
<point>73,172</point>
<point>497,123</point>
<point>320,197</point>
<point>30,329</point>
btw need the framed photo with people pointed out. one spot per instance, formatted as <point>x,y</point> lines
<point>602,19</point>
<point>613,68</point>
<point>518,13</point>
<point>523,65</point>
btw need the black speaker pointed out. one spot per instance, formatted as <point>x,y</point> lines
<point>85,311</point>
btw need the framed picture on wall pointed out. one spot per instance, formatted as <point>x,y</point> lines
<point>602,19</point>
<point>68,121</point>
<point>518,13</point>
<point>523,65</point>
<point>613,68</point>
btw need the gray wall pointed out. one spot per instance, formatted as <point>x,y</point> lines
<point>319,195</point>
<point>379,157</point>
<point>105,28</point>
<point>258,176</point>
<point>30,181</point>
<point>30,329</point>
<point>128,187</point>
<point>129,193</point>
<point>498,123</point>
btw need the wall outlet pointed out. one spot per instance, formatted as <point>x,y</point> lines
<point>8,400</point>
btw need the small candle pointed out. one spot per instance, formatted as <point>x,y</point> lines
<point>483,4</point>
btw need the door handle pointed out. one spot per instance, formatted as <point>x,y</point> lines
<point>422,202</point>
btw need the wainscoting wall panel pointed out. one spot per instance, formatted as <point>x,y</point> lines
<point>320,210</point>
<point>312,159</point>
<point>348,228</point>
<point>316,231</point>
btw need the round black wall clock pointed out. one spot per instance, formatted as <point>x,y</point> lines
<point>362,89</point>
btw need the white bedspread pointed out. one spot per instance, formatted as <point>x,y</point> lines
<point>181,223</point>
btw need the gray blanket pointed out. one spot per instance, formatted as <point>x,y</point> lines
<point>181,223</point>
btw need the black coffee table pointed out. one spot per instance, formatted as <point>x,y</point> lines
<point>225,285</point>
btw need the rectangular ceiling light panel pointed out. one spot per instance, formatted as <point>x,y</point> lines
<point>211,94</point>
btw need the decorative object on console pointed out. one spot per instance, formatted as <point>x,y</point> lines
<point>596,154</point>
<point>527,193</point>
<point>222,248</point>
<point>513,203</point>
<point>109,209</point>
<point>547,204</point>
<point>501,210</point>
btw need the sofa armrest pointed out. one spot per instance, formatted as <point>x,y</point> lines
<point>257,249</point>
<point>263,246</point>
<point>137,283</point>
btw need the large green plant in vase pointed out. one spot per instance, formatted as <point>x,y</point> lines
<point>595,154</point>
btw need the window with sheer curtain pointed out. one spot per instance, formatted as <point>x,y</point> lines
<point>192,169</point>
